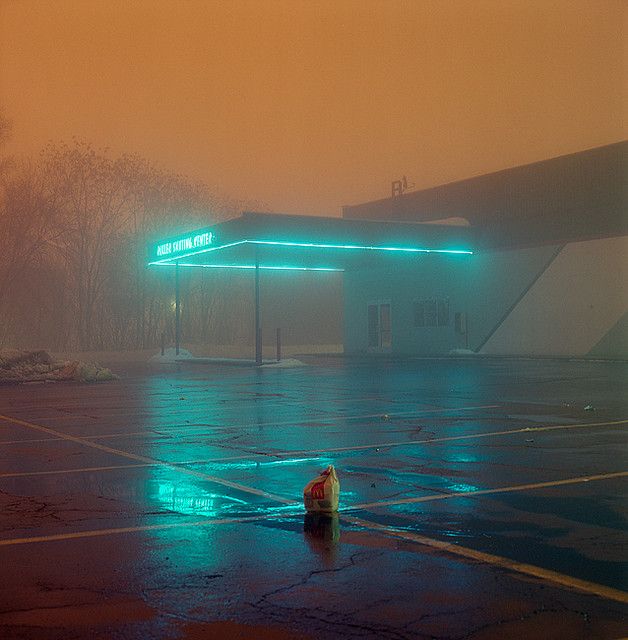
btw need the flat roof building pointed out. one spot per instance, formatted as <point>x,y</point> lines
<point>548,275</point>
<point>531,260</point>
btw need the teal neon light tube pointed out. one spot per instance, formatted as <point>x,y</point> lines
<point>316,245</point>
<point>359,247</point>
<point>247,266</point>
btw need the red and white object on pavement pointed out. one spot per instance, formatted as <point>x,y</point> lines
<point>321,494</point>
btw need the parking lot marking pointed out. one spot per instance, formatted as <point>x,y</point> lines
<point>481,492</point>
<point>504,563</point>
<point>488,558</point>
<point>95,533</point>
<point>246,455</point>
<point>470,436</point>
<point>113,467</point>
<point>173,429</point>
<point>107,436</point>
<point>547,575</point>
<point>55,472</point>
<point>149,461</point>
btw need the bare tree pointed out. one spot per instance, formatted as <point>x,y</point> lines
<point>5,136</point>
<point>27,221</point>
<point>76,223</point>
<point>93,196</point>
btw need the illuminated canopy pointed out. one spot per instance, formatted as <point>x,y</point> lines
<point>278,242</point>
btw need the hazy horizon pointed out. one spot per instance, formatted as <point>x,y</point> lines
<point>303,108</point>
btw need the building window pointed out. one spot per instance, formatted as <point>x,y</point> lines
<point>431,316</point>
<point>443,313</point>
<point>419,314</point>
<point>373,318</point>
<point>379,325</point>
<point>431,313</point>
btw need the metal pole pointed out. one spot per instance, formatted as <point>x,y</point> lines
<point>177,310</point>
<point>258,328</point>
<point>278,344</point>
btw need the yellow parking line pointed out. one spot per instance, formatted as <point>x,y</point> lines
<point>504,563</point>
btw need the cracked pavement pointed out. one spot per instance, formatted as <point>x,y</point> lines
<point>121,542</point>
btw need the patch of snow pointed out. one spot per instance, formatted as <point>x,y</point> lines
<point>170,356</point>
<point>288,363</point>
<point>39,366</point>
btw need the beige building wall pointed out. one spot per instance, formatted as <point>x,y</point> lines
<point>577,300</point>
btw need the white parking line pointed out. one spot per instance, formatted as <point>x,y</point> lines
<point>488,558</point>
<point>465,552</point>
<point>471,436</point>
<point>96,533</point>
<point>251,455</point>
<point>547,575</point>
<point>113,467</point>
<point>174,429</point>
<point>483,492</point>
<point>149,461</point>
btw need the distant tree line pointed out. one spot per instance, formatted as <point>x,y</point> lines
<point>75,223</point>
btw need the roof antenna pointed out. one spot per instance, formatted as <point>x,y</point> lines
<point>399,187</point>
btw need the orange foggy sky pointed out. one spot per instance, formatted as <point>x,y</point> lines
<point>306,106</point>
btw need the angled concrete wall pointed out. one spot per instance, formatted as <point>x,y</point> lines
<point>485,287</point>
<point>498,280</point>
<point>615,343</point>
<point>574,303</point>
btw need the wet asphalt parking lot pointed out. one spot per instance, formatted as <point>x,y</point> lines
<point>479,499</point>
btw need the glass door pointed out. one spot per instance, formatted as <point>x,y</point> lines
<point>379,326</point>
<point>385,332</point>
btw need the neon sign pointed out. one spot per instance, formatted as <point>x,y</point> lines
<point>188,243</point>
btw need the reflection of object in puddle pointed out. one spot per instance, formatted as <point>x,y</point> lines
<point>322,532</point>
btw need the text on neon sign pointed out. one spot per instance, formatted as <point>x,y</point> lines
<point>186,244</point>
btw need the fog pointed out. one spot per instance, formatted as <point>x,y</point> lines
<point>123,123</point>
<point>74,275</point>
